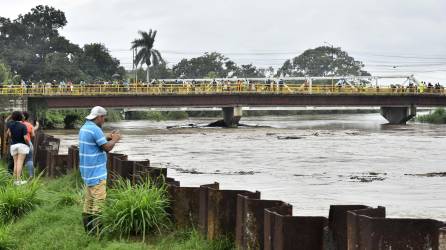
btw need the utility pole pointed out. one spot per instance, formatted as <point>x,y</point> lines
<point>136,67</point>
<point>133,60</point>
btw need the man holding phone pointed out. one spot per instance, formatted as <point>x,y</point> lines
<point>93,146</point>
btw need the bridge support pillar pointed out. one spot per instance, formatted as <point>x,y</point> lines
<point>231,116</point>
<point>398,115</point>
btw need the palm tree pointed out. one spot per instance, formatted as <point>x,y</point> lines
<point>146,55</point>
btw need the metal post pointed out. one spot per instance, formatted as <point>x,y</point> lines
<point>311,85</point>
<point>136,67</point>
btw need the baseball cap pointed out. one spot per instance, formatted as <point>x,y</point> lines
<point>95,112</point>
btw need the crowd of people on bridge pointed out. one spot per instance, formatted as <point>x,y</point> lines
<point>226,84</point>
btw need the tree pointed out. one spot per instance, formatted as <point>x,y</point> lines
<point>146,55</point>
<point>97,62</point>
<point>211,65</point>
<point>5,73</point>
<point>322,61</point>
<point>32,47</point>
<point>249,71</point>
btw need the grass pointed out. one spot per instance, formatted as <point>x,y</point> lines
<point>436,117</point>
<point>135,210</point>
<point>55,223</point>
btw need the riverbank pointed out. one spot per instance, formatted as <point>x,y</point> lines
<point>56,224</point>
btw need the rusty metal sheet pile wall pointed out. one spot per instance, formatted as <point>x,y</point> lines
<point>385,233</point>
<point>250,220</point>
<point>218,211</point>
<point>185,205</point>
<point>254,223</point>
<point>284,231</point>
<point>337,225</point>
<point>73,158</point>
<point>353,229</point>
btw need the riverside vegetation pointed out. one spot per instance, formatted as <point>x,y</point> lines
<point>46,214</point>
<point>438,116</point>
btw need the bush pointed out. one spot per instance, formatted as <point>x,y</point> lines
<point>16,201</point>
<point>134,209</point>
<point>437,117</point>
<point>53,119</point>
<point>177,115</point>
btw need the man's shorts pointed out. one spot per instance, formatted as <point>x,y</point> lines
<point>95,197</point>
<point>19,148</point>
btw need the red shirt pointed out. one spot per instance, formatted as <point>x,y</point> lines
<point>29,128</point>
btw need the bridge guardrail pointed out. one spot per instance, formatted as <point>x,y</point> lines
<point>184,89</point>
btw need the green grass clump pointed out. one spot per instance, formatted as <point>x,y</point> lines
<point>6,240</point>
<point>5,177</point>
<point>134,209</point>
<point>436,117</point>
<point>16,201</point>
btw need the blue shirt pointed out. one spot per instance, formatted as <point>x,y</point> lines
<point>92,158</point>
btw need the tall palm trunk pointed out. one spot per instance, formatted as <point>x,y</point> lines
<point>148,74</point>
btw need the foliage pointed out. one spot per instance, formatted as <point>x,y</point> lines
<point>72,118</point>
<point>16,201</point>
<point>7,242</point>
<point>16,79</point>
<point>32,46</point>
<point>436,117</point>
<point>5,73</point>
<point>135,209</point>
<point>52,119</point>
<point>202,66</point>
<point>157,115</point>
<point>5,177</point>
<point>146,55</point>
<point>322,61</point>
<point>215,65</point>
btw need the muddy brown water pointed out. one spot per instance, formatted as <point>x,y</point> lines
<point>309,161</point>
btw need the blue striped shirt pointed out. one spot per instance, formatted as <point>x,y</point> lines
<point>92,159</point>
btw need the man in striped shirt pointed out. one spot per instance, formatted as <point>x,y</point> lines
<point>93,146</point>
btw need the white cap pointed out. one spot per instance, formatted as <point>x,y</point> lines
<point>95,112</point>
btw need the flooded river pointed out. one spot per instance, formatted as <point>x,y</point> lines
<point>309,161</point>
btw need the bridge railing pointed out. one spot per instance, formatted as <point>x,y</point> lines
<point>182,89</point>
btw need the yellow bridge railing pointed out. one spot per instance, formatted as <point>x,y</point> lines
<point>184,89</point>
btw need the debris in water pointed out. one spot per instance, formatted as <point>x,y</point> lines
<point>290,137</point>
<point>367,177</point>
<point>434,174</point>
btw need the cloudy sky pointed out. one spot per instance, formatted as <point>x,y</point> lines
<point>389,36</point>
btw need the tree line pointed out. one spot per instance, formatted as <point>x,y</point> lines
<point>31,48</point>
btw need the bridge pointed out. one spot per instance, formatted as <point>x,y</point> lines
<point>397,102</point>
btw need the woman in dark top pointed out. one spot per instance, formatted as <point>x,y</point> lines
<point>19,144</point>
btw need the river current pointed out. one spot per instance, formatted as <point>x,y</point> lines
<point>309,161</point>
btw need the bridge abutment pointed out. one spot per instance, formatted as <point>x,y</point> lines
<point>398,115</point>
<point>232,116</point>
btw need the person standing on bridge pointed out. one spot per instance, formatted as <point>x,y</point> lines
<point>93,146</point>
